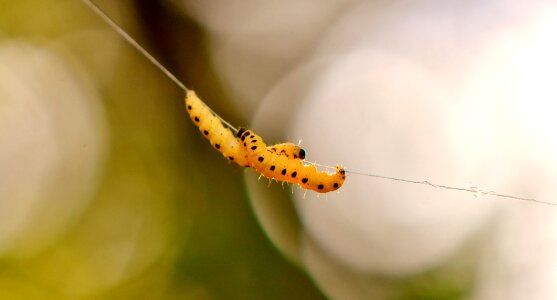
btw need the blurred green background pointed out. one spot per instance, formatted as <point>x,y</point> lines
<point>132,202</point>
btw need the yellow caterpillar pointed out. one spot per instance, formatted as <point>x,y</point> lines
<point>283,168</point>
<point>282,162</point>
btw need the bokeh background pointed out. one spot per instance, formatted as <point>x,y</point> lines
<point>107,191</point>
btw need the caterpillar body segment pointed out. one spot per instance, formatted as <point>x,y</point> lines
<point>289,150</point>
<point>212,128</point>
<point>269,163</point>
<point>282,168</point>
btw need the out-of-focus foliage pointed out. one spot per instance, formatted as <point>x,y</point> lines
<point>106,189</point>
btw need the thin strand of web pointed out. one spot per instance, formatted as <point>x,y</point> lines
<point>478,192</point>
<point>145,53</point>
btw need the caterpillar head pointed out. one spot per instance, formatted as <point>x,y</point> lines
<point>302,153</point>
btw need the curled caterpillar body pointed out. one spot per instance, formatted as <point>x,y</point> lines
<point>212,128</point>
<point>282,168</point>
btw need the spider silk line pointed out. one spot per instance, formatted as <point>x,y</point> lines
<point>478,192</point>
<point>475,190</point>
<point>145,53</point>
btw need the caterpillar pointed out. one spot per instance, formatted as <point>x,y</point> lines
<point>283,168</point>
<point>282,162</point>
